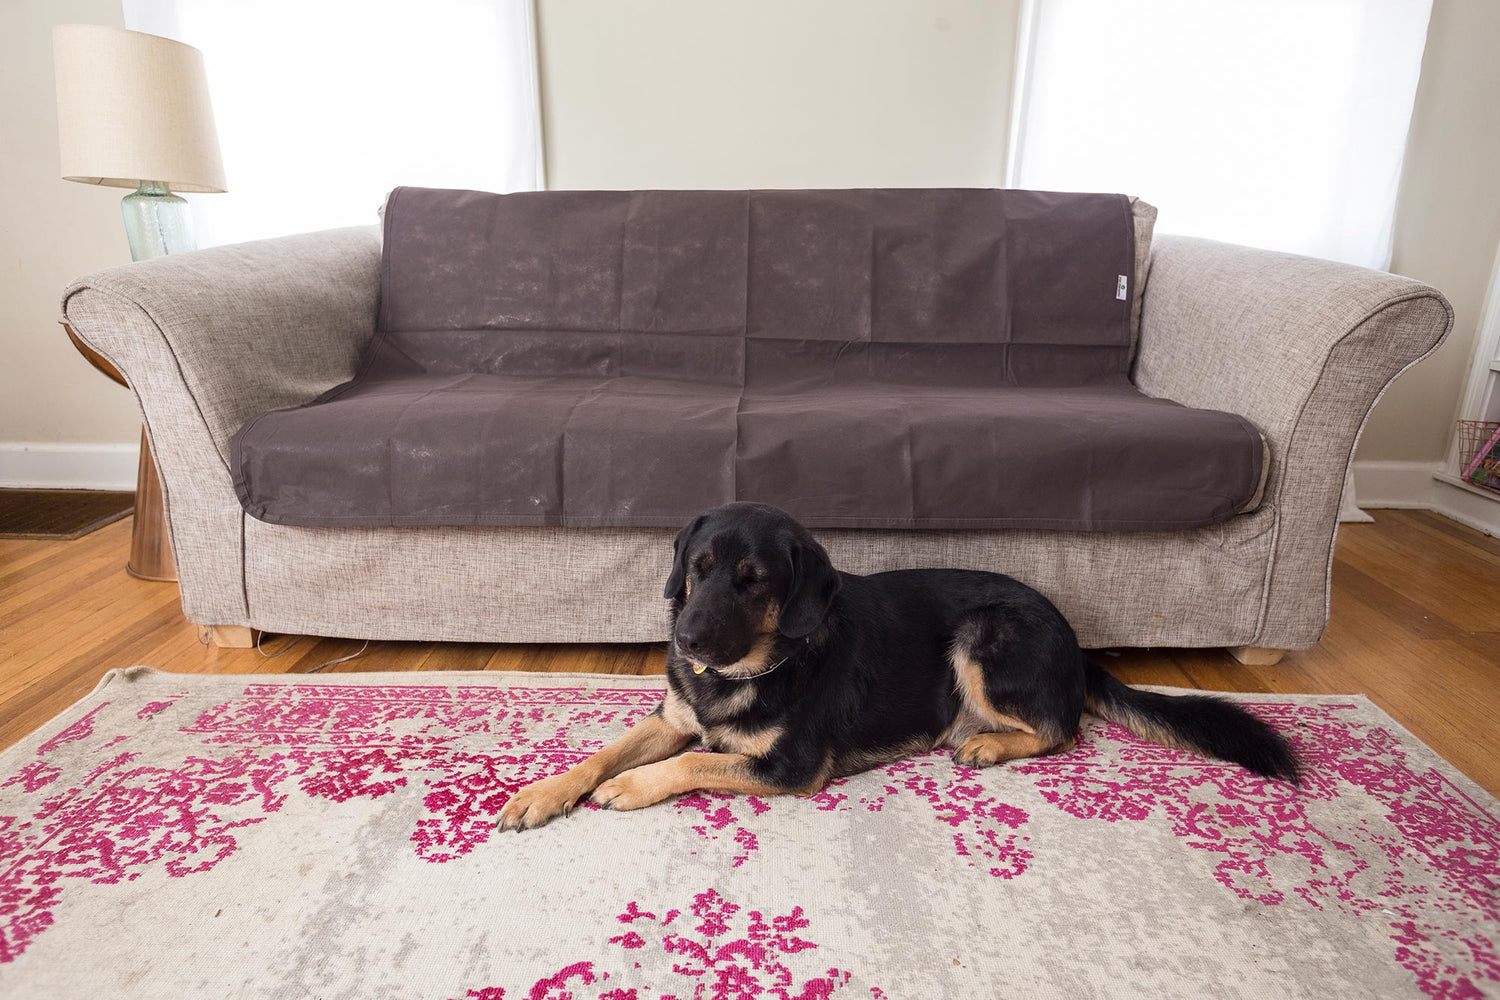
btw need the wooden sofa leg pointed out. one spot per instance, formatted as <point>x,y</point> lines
<point>233,636</point>
<point>1256,656</point>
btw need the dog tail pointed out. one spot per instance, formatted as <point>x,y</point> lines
<point>1208,726</point>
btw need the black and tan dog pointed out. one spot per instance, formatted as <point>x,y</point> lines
<point>793,673</point>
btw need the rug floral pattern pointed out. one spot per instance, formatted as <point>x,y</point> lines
<point>1386,857</point>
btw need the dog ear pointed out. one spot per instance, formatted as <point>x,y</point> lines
<point>814,584</point>
<point>677,580</point>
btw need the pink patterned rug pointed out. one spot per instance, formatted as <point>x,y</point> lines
<point>273,836</point>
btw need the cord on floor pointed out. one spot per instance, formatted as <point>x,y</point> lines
<point>341,659</point>
<point>284,646</point>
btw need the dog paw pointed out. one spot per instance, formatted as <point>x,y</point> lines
<point>976,752</point>
<point>634,789</point>
<point>540,801</point>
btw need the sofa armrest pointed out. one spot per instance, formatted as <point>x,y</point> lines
<point>250,328</point>
<point>1302,348</point>
<point>208,340</point>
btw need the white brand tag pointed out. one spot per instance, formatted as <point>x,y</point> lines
<point>1120,287</point>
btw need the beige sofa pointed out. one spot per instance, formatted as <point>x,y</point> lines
<point>1303,348</point>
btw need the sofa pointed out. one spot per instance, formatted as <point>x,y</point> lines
<point>485,422</point>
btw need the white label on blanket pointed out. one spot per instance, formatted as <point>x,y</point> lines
<point>1120,287</point>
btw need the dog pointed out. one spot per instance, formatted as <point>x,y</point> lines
<point>792,673</point>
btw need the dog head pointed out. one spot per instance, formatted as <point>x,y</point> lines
<point>742,575</point>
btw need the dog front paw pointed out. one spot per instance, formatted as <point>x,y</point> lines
<point>977,751</point>
<point>636,788</point>
<point>540,801</point>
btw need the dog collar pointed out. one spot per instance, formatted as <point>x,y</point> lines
<point>748,677</point>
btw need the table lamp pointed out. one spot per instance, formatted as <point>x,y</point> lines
<point>133,111</point>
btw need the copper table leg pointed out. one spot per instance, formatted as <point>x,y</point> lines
<point>150,546</point>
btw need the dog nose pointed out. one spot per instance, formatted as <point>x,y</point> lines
<point>691,640</point>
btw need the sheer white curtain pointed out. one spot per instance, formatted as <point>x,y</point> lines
<point>1274,123</point>
<point>325,105</point>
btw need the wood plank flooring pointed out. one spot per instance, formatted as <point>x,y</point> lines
<point>1416,627</point>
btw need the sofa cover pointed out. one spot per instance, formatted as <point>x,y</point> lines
<point>865,359</point>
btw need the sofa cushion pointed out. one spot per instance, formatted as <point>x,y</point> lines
<point>520,451</point>
<point>652,452</point>
<point>862,358</point>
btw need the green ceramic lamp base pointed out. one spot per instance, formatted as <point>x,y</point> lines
<point>157,221</point>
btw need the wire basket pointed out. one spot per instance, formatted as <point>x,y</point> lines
<point>1479,453</point>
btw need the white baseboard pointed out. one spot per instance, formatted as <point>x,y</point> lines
<point>1398,485</point>
<point>1417,486</point>
<point>68,466</point>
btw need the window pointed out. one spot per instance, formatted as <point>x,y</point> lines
<point>324,107</point>
<point>1274,123</point>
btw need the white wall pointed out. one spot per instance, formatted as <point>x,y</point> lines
<point>776,93</point>
<point>1447,229</point>
<point>52,231</point>
<point>1447,221</point>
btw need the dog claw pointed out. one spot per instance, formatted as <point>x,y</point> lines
<point>539,803</point>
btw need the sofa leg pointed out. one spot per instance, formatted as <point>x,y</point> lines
<point>1256,656</point>
<point>233,636</point>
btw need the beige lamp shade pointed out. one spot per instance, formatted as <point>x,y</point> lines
<point>133,107</point>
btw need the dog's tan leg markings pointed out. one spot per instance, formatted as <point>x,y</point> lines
<point>968,678</point>
<point>985,749</point>
<point>714,772</point>
<point>969,682</point>
<point>651,739</point>
<point>971,735</point>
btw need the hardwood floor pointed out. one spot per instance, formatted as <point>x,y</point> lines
<point>1416,627</point>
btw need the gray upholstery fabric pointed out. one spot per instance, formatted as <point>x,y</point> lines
<point>1300,347</point>
<point>1201,587</point>
<point>255,326</point>
<point>1143,219</point>
<point>209,339</point>
<point>1303,348</point>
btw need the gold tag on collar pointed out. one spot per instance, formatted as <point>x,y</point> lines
<point>698,668</point>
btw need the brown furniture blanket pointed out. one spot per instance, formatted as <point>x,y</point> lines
<point>869,358</point>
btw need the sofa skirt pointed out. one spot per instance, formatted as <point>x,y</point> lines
<point>1202,587</point>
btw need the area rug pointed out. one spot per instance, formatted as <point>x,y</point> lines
<point>65,514</point>
<point>333,837</point>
